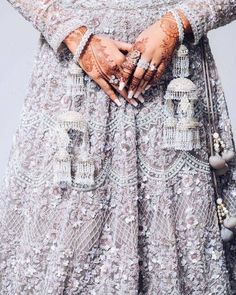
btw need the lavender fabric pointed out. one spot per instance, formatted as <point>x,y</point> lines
<point>149,224</point>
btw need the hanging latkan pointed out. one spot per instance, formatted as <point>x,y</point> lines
<point>62,161</point>
<point>75,83</point>
<point>185,132</point>
<point>219,159</point>
<point>180,130</point>
<point>73,125</point>
<point>85,167</point>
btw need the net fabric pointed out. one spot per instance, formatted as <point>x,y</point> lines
<point>149,209</point>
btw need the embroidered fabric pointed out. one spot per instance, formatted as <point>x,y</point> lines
<point>205,15</point>
<point>149,224</point>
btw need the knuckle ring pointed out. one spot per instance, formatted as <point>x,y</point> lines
<point>135,54</point>
<point>133,57</point>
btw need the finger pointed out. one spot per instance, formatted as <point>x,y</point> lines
<point>124,94</point>
<point>141,69</point>
<point>135,81</point>
<point>127,67</point>
<point>112,82</point>
<point>106,87</point>
<point>123,46</point>
<point>160,70</point>
<point>125,72</point>
<point>148,76</point>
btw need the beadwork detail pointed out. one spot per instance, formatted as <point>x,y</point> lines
<point>148,224</point>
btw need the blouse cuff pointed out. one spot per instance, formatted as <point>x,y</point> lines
<point>63,31</point>
<point>196,20</point>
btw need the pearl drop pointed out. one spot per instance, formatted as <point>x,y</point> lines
<point>226,234</point>
<point>217,162</point>
<point>228,155</point>
<point>216,135</point>
<point>219,201</point>
<point>230,222</point>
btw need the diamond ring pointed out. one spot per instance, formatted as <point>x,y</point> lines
<point>114,80</point>
<point>143,64</point>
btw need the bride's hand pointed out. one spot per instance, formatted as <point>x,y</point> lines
<point>156,45</point>
<point>101,59</point>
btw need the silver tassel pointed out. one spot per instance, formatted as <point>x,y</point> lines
<point>185,134</point>
<point>72,120</point>
<point>67,121</point>
<point>85,167</point>
<point>70,125</point>
<point>169,125</point>
<point>62,168</point>
<point>181,62</point>
<point>62,161</point>
<point>75,80</point>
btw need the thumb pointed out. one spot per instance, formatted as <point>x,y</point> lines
<point>123,46</point>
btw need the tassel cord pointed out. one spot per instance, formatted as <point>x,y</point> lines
<point>210,110</point>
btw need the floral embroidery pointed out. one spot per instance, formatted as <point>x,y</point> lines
<point>149,224</point>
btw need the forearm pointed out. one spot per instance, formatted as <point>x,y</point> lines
<point>186,24</point>
<point>73,39</point>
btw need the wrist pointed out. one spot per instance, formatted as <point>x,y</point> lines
<point>185,22</point>
<point>73,40</point>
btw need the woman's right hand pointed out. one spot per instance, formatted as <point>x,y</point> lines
<point>101,59</point>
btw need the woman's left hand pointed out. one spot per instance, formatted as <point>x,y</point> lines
<point>156,45</point>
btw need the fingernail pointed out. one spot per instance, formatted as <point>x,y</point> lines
<point>134,102</point>
<point>118,102</point>
<point>136,95</point>
<point>143,91</point>
<point>130,94</point>
<point>149,86</point>
<point>121,86</point>
<point>140,98</point>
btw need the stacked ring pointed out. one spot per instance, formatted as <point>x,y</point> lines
<point>143,64</point>
<point>129,64</point>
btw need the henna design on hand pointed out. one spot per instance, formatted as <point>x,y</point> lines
<point>169,26</point>
<point>140,45</point>
<point>135,83</point>
<point>168,48</point>
<point>96,59</point>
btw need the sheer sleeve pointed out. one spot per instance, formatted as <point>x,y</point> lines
<point>205,15</point>
<point>52,18</point>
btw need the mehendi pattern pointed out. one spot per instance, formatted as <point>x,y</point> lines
<point>149,224</point>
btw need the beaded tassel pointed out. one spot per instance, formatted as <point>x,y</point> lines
<point>170,125</point>
<point>185,132</point>
<point>72,124</point>
<point>75,83</point>
<point>85,167</point>
<point>181,62</point>
<point>62,161</point>
<point>72,120</point>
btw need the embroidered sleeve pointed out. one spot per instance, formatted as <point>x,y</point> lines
<point>205,15</point>
<point>52,18</point>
